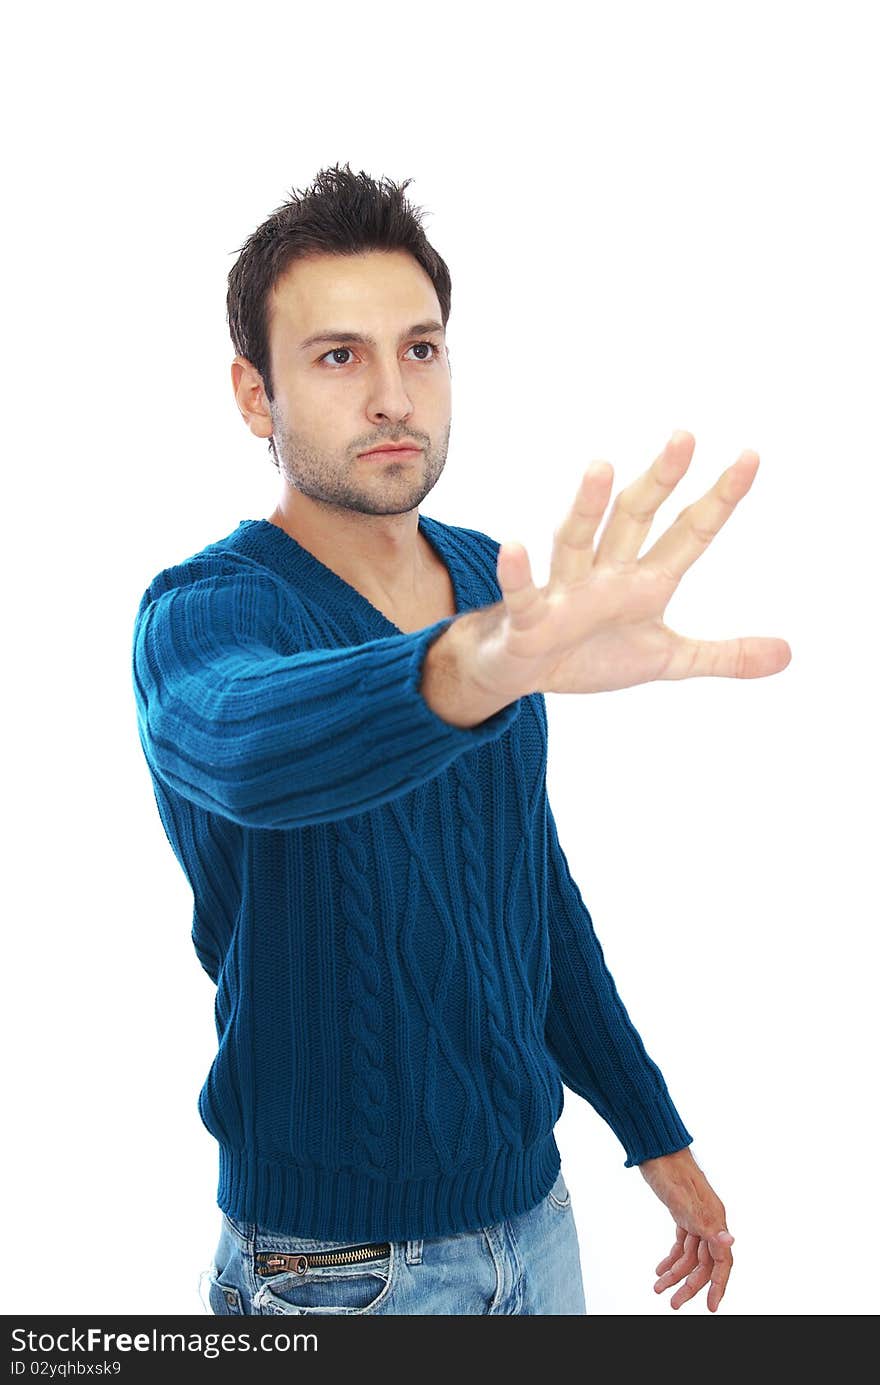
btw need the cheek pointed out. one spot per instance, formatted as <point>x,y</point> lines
<point>435,395</point>
<point>317,412</point>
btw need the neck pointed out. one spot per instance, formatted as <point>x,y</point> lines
<point>382,556</point>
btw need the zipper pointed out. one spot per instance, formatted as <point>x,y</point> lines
<point>275,1262</point>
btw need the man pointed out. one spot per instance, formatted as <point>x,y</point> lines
<point>341,707</point>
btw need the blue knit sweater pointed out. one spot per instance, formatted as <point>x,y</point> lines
<point>406,971</point>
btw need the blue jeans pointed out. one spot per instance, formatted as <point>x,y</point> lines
<point>527,1264</point>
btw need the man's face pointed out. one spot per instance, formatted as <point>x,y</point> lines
<point>336,398</point>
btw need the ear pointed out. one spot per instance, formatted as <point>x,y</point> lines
<point>250,396</point>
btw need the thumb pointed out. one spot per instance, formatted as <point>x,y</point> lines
<point>514,574</point>
<point>722,1239</point>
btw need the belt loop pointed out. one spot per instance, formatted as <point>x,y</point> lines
<point>414,1252</point>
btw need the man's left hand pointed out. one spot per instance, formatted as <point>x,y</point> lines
<point>701,1254</point>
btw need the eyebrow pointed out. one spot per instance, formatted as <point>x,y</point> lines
<point>359,339</point>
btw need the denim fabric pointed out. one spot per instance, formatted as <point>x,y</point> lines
<point>526,1264</point>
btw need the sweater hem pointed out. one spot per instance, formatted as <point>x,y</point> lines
<point>350,1205</point>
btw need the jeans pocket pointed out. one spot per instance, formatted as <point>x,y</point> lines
<point>223,1299</point>
<point>559,1196</point>
<point>324,1277</point>
<point>243,1229</point>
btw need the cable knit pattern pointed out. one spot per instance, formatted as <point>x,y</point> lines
<point>369,1087</point>
<point>406,971</point>
<point>505,1084</point>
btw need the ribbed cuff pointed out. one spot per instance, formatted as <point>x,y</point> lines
<point>650,1129</point>
<point>457,737</point>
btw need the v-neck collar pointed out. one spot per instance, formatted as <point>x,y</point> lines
<point>290,559</point>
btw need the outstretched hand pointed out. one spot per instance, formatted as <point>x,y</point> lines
<point>598,623</point>
<point>701,1254</point>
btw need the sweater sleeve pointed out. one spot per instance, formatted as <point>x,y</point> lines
<point>589,1033</point>
<point>236,718</point>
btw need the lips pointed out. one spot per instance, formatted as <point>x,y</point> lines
<point>390,451</point>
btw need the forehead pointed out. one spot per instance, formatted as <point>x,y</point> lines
<point>372,292</point>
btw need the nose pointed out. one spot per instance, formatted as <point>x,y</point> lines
<point>388,393</point>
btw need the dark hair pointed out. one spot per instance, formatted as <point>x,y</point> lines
<point>342,213</point>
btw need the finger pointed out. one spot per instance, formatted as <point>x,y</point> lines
<point>632,513</point>
<point>521,597</point>
<point>720,1243</point>
<point>686,1262</point>
<point>675,1273</point>
<point>675,1252</point>
<point>697,525</point>
<point>572,557</point>
<point>719,1247</point>
<point>696,1280</point>
<point>750,656</point>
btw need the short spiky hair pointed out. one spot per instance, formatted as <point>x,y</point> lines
<point>342,213</point>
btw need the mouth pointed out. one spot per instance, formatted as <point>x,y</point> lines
<point>384,454</point>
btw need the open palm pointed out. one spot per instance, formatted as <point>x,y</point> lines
<point>598,623</point>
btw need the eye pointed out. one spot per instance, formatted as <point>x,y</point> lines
<point>346,351</point>
<point>435,350</point>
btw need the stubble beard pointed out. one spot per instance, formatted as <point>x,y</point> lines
<point>369,488</point>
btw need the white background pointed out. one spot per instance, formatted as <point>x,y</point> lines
<point>655,217</point>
